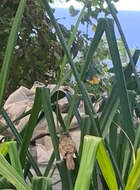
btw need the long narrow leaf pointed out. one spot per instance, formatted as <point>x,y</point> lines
<point>46,103</point>
<point>113,101</point>
<point>93,46</point>
<point>4,149</point>
<point>19,140</point>
<point>47,108</point>
<point>88,158</point>
<point>41,183</point>
<point>14,157</point>
<point>30,126</point>
<point>121,83</point>
<point>72,37</point>
<point>134,176</point>
<point>106,167</point>
<point>127,164</point>
<point>75,72</point>
<point>49,165</point>
<point>7,171</point>
<point>4,184</point>
<point>10,48</point>
<point>124,42</point>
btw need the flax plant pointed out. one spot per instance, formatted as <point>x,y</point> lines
<point>97,163</point>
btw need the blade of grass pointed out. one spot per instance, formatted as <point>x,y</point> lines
<point>42,183</point>
<point>106,167</point>
<point>47,108</point>
<point>59,117</point>
<point>4,184</point>
<point>121,83</point>
<point>19,140</point>
<point>70,42</point>
<point>124,42</point>
<point>57,95</point>
<point>111,106</point>
<point>134,176</point>
<point>73,104</point>
<point>46,103</point>
<point>63,80</point>
<point>27,172</point>
<point>10,48</point>
<point>113,136</point>
<point>88,158</point>
<point>75,72</point>
<point>30,126</point>
<point>115,165</point>
<point>4,149</point>
<point>49,165</point>
<point>97,37</point>
<point>128,157</point>
<point>109,112</point>
<point>14,157</point>
<point>7,171</point>
<point>85,130</point>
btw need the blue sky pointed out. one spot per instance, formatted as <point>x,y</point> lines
<point>129,16</point>
<point>121,5</point>
<point>128,19</point>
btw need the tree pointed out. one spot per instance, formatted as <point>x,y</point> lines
<point>37,53</point>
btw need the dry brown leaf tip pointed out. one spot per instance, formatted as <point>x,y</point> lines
<point>67,150</point>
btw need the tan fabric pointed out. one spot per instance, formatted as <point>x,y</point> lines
<point>20,102</point>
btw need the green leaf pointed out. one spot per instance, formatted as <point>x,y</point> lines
<point>88,158</point>
<point>93,46</point>
<point>134,177</point>
<point>93,148</point>
<point>72,37</point>
<point>47,108</point>
<point>14,157</point>
<point>46,103</point>
<point>41,183</point>
<point>4,184</point>
<point>7,171</point>
<point>4,149</point>
<point>112,103</point>
<point>30,126</point>
<point>127,160</point>
<point>10,47</point>
<point>106,167</point>
<point>19,140</point>
<point>49,165</point>
<point>109,111</point>
<point>113,12</point>
<point>74,69</point>
<point>121,82</point>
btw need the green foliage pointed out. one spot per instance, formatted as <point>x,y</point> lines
<point>41,183</point>
<point>116,166</point>
<point>37,53</point>
<point>9,50</point>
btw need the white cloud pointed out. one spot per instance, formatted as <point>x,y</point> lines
<point>128,5</point>
<point>121,5</point>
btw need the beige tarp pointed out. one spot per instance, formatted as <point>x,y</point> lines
<point>20,102</point>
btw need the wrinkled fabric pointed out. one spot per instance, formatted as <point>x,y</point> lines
<point>21,101</point>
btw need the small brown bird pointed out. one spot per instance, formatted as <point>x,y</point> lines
<point>67,149</point>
